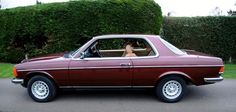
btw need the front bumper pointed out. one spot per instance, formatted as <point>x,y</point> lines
<point>17,81</point>
<point>213,80</point>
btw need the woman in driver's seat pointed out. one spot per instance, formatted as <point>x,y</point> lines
<point>129,51</point>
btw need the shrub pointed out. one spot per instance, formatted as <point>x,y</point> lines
<point>212,35</point>
<point>58,27</point>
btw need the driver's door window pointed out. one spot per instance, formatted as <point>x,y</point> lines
<point>92,51</point>
<point>106,48</point>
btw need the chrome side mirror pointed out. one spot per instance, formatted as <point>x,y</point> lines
<point>82,55</point>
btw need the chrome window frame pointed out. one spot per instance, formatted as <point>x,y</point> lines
<point>118,36</point>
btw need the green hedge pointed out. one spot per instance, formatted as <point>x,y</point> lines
<point>211,35</point>
<point>58,27</point>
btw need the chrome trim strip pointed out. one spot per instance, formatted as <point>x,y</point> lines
<point>120,50</point>
<point>106,58</point>
<point>118,67</point>
<point>143,86</point>
<point>221,72</point>
<point>42,69</point>
<point>213,80</point>
<point>42,72</point>
<point>123,35</point>
<point>175,72</point>
<point>167,66</point>
<point>17,81</point>
<point>115,67</point>
<point>96,87</point>
<point>82,87</point>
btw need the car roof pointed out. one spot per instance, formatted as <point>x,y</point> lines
<point>125,35</point>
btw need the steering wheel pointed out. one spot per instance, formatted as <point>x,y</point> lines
<point>97,52</point>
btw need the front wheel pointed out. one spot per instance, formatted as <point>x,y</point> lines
<point>171,89</point>
<point>41,89</point>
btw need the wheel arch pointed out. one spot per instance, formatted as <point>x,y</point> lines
<point>29,75</point>
<point>183,75</point>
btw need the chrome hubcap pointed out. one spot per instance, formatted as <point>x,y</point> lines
<point>172,89</point>
<point>40,89</point>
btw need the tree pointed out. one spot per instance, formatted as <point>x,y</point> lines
<point>232,12</point>
<point>216,12</point>
<point>38,2</point>
<point>171,13</point>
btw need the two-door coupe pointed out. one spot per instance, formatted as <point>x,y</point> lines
<point>119,61</point>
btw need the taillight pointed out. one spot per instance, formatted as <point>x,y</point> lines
<point>221,70</point>
<point>14,71</point>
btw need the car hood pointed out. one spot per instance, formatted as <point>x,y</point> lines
<point>39,59</point>
<point>43,63</point>
<point>45,57</point>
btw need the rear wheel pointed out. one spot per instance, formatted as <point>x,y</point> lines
<point>171,89</point>
<point>41,89</point>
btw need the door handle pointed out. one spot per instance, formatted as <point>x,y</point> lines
<point>125,64</point>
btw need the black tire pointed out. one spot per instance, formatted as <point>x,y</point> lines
<point>44,85</point>
<point>166,86</point>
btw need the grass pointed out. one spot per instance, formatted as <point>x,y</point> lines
<point>6,70</point>
<point>230,71</point>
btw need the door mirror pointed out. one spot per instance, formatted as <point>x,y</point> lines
<point>82,55</point>
<point>66,55</point>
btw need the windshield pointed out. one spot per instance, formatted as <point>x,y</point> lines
<point>72,53</point>
<point>172,48</point>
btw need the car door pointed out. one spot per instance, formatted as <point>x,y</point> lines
<point>102,65</point>
<point>100,72</point>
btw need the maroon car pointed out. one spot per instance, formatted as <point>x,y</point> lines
<point>119,61</point>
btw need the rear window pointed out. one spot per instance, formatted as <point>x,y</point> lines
<point>172,47</point>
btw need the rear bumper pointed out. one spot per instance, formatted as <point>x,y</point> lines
<point>214,79</point>
<point>17,81</point>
